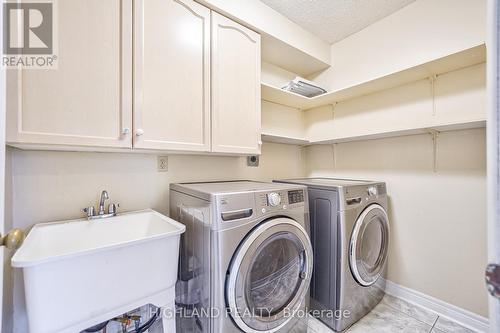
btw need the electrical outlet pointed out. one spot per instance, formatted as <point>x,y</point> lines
<point>253,161</point>
<point>162,163</point>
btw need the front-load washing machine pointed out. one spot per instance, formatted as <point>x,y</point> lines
<point>245,258</point>
<point>350,238</point>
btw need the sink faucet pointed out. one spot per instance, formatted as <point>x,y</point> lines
<point>91,215</point>
<point>104,197</point>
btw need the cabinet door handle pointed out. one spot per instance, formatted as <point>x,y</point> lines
<point>139,132</point>
<point>125,131</point>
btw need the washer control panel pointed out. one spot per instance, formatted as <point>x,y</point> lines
<point>273,199</point>
<point>278,200</point>
<point>372,190</point>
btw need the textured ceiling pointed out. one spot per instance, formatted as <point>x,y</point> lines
<point>333,20</point>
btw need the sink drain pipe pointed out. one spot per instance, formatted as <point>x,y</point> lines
<point>141,329</point>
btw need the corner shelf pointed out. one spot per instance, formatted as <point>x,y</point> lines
<point>465,58</point>
<point>267,137</point>
<point>276,95</point>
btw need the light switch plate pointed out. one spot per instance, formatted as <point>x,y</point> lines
<point>253,161</point>
<point>162,163</point>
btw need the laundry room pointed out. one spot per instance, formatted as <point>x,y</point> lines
<point>219,166</point>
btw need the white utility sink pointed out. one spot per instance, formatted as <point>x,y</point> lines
<point>80,273</point>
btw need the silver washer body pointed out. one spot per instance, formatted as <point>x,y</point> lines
<point>227,225</point>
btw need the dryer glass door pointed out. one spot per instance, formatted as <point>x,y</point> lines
<point>369,245</point>
<point>270,275</point>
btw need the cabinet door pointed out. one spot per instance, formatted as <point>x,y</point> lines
<point>87,100</point>
<point>235,87</point>
<point>172,75</point>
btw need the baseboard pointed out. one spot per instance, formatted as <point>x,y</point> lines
<point>461,316</point>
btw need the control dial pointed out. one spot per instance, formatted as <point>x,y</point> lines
<point>372,190</point>
<point>274,199</point>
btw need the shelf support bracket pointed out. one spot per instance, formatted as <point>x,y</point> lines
<point>432,80</point>
<point>334,155</point>
<point>333,109</point>
<point>435,136</point>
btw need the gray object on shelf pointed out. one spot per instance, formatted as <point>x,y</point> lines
<point>304,87</point>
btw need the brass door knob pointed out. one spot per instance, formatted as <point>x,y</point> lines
<point>13,240</point>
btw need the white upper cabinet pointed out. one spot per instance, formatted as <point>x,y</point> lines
<point>87,100</point>
<point>235,87</point>
<point>139,74</point>
<point>171,75</point>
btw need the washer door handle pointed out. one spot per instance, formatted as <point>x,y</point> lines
<point>493,280</point>
<point>353,201</point>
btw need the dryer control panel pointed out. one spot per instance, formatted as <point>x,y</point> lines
<point>295,196</point>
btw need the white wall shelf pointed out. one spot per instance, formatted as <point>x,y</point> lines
<point>295,60</point>
<point>274,94</point>
<point>277,138</point>
<point>465,58</point>
<point>480,123</point>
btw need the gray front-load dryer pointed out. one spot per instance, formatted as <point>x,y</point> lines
<point>349,235</point>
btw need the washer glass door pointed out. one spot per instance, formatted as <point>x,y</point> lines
<point>270,275</point>
<point>369,245</point>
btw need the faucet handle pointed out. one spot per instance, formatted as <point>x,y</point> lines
<point>89,210</point>
<point>112,208</point>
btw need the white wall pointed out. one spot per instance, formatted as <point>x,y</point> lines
<point>438,219</point>
<point>49,186</point>
<point>282,120</point>
<point>275,76</point>
<point>420,32</point>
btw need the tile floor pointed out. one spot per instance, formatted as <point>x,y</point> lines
<point>395,315</point>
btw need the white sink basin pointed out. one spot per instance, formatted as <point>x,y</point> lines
<point>89,271</point>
